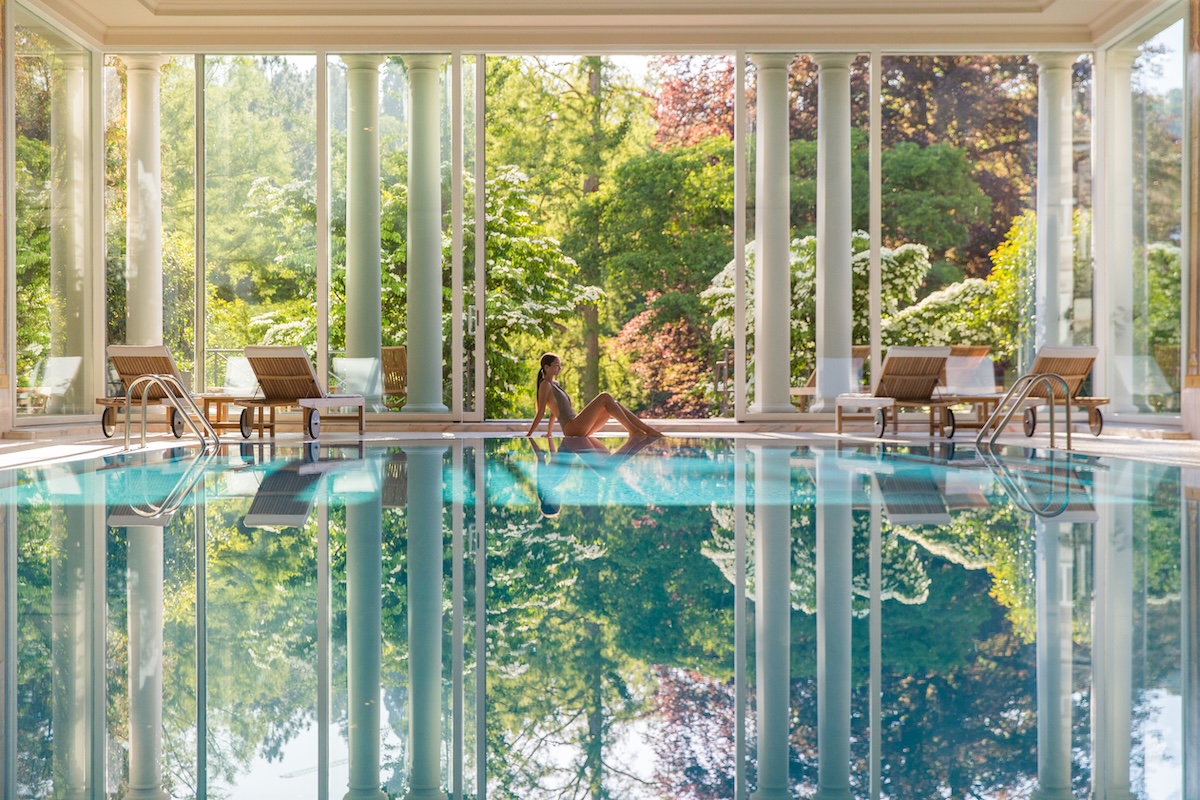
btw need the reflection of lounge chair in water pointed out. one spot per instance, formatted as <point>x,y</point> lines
<point>912,498</point>
<point>285,497</point>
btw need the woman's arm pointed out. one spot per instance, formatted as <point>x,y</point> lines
<point>542,394</point>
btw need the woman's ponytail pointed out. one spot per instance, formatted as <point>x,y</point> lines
<point>546,360</point>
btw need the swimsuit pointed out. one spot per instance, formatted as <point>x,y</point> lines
<point>566,412</point>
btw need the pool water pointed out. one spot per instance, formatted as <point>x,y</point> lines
<point>507,618</point>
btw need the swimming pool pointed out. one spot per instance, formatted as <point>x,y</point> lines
<point>501,618</point>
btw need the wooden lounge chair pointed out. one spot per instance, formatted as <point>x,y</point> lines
<point>970,376</point>
<point>859,354</point>
<point>1073,365</point>
<point>287,379</point>
<point>908,378</point>
<point>395,376</point>
<point>130,363</point>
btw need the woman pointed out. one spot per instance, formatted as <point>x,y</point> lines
<point>590,419</point>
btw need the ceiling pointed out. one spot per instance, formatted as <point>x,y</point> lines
<point>650,26</point>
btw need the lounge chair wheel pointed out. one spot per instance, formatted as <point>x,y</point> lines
<point>246,423</point>
<point>176,423</point>
<point>312,423</point>
<point>948,423</point>
<point>1030,421</point>
<point>1095,421</point>
<point>108,422</point>
<point>880,422</point>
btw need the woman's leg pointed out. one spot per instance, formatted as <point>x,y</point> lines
<point>599,411</point>
<point>589,420</point>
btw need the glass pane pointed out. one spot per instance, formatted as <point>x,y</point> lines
<point>1157,85</point>
<point>53,221</point>
<point>958,169</point>
<point>260,226</point>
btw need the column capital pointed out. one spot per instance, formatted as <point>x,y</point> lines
<point>771,60</point>
<point>150,62</point>
<point>425,61</point>
<point>71,59</point>
<point>363,60</point>
<point>1121,58</point>
<point>834,60</point>
<point>1046,61</point>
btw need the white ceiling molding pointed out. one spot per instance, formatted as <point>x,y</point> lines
<point>393,8</point>
<point>610,25</point>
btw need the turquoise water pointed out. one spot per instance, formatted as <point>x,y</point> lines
<point>649,619</point>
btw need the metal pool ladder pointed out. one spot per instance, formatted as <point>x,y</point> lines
<point>1015,399</point>
<point>174,394</point>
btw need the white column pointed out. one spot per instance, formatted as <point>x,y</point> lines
<point>364,292</point>
<point>364,644</point>
<point>1115,332</point>
<point>69,230</point>
<point>424,237</point>
<point>1054,607</point>
<point>772,239</point>
<point>144,579</point>
<point>1055,244</point>
<point>1190,642</point>
<point>425,549</point>
<point>70,640</point>
<point>1112,640</point>
<point>143,248</point>
<point>835,570</point>
<point>772,617</point>
<point>834,304</point>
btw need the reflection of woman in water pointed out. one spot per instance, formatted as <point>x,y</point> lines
<point>589,452</point>
<point>590,419</point>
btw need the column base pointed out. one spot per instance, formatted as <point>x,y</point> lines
<point>1052,794</point>
<point>368,793</point>
<point>822,405</point>
<point>833,794</point>
<point>771,794</point>
<point>1190,410</point>
<point>425,408</point>
<point>1118,794</point>
<point>155,793</point>
<point>773,408</point>
<point>426,794</point>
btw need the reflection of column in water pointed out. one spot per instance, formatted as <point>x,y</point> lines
<point>835,533</point>
<point>772,614</point>
<point>1112,640</point>
<point>1190,618</point>
<point>1054,607</point>
<point>364,581</point>
<point>70,640</point>
<point>145,579</point>
<point>425,620</point>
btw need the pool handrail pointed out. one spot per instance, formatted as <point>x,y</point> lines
<point>169,384</point>
<point>1022,388</point>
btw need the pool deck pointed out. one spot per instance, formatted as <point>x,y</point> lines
<point>1140,441</point>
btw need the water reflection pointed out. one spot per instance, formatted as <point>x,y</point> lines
<point>838,623</point>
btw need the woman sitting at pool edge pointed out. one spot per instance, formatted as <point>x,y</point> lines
<point>590,419</point>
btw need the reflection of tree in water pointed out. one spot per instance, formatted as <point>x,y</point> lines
<point>579,607</point>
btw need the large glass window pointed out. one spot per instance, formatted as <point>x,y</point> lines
<point>260,204</point>
<point>54,222</point>
<point>1157,189</point>
<point>959,190</point>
